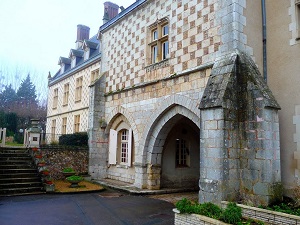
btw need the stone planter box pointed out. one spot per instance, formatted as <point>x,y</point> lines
<point>194,219</point>
<point>49,187</point>
<point>267,216</point>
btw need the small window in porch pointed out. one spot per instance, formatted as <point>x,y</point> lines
<point>182,153</point>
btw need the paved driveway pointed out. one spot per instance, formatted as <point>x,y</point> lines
<point>84,209</point>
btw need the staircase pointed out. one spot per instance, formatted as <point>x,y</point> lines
<point>18,174</point>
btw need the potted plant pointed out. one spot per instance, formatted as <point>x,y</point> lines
<point>35,149</point>
<point>38,156</point>
<point>74,180</point>
<point>68,172</point>
<point>41,163</point>
<point>45,172</point>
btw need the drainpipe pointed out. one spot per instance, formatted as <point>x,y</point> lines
<point>264,32</point>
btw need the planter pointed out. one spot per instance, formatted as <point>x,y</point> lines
<point>41,164</point>
<point>267,216</point>
<point>46,173</point>
<point>35,149</point>
<point>49,187</point>
<point>38,156</point>
<point>68,174</point>
<point>194,219</point>
<point>74,183</point>
<point>74,180</point>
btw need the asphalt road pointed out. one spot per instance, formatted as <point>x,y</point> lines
<point>84,209</point>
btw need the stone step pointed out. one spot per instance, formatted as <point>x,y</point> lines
<point>20,185</point>
<point>20,180</point>
<point>15,158</point>
<point>16,166</point>
<point>10,155</point>
<point>14,162</point>
<point>26,170</point>
<point>18,175</point>
<point>21,191</point>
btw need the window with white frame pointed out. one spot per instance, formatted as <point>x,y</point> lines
<point>159,41</point>
<point>64,125</point>
<point>55,98</point>
<point>120,147</point>
<point>76,123</point>
<point>182,153</point>
<point>78,91</point>
<point>66,94</point>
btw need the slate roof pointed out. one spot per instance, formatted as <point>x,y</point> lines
<point>93,43</point>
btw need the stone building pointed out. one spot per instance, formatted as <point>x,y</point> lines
<point>180,90</point>
<point>68,98</point>
<point>194,94</point>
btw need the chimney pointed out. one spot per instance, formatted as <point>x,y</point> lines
<point>110,11</point>
<point>83,32</point>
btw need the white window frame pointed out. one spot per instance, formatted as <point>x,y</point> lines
<point>114,144</point>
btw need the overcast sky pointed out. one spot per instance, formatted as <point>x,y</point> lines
<point>35,33</point>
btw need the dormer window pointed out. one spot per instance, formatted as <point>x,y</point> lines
<point>64,64</point>
<point>73,62</point>
<point>86,53</point>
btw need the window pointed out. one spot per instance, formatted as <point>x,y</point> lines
<point>78,89</point>
<point>120,147</point>
<point>53,130</point>
<point>182,153</point>
<point>124,146</point>
<point>159,43</point>
<point>64,125</point>
<point>94,75</point>
<point>66,94</point>
<point>76,123</point>
<point>55,98</point>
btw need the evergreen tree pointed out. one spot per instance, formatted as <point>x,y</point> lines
<point>8,98</point>
<point>27,100</point>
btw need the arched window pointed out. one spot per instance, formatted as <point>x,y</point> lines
<point>120,145</point>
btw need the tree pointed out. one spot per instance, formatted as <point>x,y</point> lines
<point>27,95</point>
<point>8,98</point>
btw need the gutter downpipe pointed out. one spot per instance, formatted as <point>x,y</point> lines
<point>264,32</point>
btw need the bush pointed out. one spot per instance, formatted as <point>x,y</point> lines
<point>76,139</point>
<point>232,214</point>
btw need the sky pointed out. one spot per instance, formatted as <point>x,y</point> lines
<point>35,33</point>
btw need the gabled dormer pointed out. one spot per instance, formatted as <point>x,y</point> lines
<point>76,57</point>
<point>89,47</point>
<point>64,63</point>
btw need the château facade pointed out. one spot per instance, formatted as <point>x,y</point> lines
<point>197,94</point>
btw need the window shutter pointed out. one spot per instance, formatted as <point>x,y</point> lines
<point>129,147</point>
<point>112,152</point>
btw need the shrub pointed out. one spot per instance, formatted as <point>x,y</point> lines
<point>68,170</point>
<point>232,214</point>
<point>76,139</point>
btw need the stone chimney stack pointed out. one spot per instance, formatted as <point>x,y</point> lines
<point>83,32</point>
<point>110,11</point>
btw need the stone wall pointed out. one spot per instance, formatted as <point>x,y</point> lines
<point>239,153</point>
<point>58,159</point>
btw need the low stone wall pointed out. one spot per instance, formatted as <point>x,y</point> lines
<point>194,219</point>
<point>267,216</point>
<point>57,159</point>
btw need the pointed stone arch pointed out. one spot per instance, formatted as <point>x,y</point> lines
<point>120,113</point>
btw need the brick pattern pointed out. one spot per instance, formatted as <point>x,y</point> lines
<point>193,39</point>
